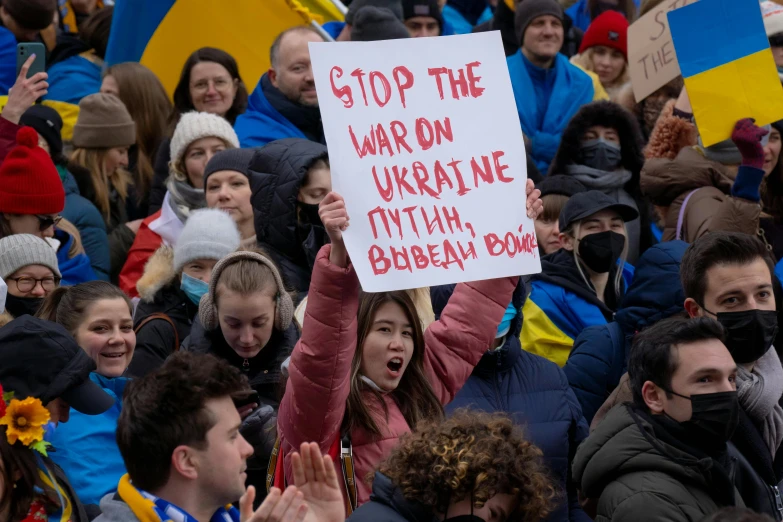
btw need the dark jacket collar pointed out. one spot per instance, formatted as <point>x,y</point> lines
<point>307,119</point>
<point>385,492</point>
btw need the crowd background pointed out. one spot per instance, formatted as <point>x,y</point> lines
<point>183,336</point>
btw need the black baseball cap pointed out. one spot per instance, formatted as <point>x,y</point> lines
<point>560,184</point>
<point>41,359</point>
<point>585,204</point>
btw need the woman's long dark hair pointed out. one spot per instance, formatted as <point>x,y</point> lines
<point>19,461</point>
<point>414,395</point>
<point>182,101</point>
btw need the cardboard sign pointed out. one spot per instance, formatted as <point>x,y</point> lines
<point>652,61</point>
<point>727,65</point>
<point>426,148</point>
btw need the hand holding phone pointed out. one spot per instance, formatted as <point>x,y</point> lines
<point>25,92</point>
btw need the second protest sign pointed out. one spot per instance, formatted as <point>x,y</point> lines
<point>426,148</point>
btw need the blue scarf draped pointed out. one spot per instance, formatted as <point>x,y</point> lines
<point>571,89</point>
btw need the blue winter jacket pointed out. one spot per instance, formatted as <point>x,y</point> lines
<point>7,60</point>
<point>86,446</point>
<point>546,100</point>
<point>74,269</point>
<point>600,354</point>
<point>74,78</point>
<point>535,393</point>
<point>262,123</point>
<point>88,220</point>
<point>580,13</point>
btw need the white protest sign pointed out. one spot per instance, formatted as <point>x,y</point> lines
<point>426,148</point>
<point>651,58</point>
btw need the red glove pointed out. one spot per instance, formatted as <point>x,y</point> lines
<point>747,137</point>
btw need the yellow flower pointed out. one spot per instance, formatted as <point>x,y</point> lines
<point>25,420</point>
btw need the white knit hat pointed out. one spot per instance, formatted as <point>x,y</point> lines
<point>208,234</point>
<point>193,126</point>
<point>773,17</point>
<point>21,250</point>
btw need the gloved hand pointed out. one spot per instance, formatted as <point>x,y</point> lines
<point>258,429</point>
<point>747,137</point>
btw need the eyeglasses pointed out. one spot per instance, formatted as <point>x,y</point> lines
<point>220,83</point>
<point>27,284</point>
<point>45,222</point>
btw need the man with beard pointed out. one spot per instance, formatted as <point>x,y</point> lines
<point>284,104</point>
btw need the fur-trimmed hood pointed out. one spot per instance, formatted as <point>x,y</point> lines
<point>606,114</point>
<point>158,272</point>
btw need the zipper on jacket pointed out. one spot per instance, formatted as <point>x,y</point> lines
<point>778,502</point>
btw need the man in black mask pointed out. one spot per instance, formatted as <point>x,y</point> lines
<point>665,456</point>
<point>284,104</point>
<point>729,277</point>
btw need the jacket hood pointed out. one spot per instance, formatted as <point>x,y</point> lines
<point>385,492</point>
<point>656,291</point>
<point>623,443</point>
<point>665,180</point>
<point>559,268</point>
<point>158,272</point>
<point>606,114</point>
<point>277,171</point>
<point>115,510</point>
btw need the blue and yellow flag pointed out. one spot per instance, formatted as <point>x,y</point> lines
<point>727,64</point>
<point>161,34</point>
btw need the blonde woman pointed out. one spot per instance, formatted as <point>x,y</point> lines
<point>102,136</point>
<point>604,51</point>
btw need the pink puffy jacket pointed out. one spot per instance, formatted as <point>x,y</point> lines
<point>313,406</point>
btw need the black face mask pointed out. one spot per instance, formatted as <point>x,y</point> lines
<point>749,334</point>
<point>714,415</point>
<point>601,251</point>
<point>308,214</point>
<point>18,306</point>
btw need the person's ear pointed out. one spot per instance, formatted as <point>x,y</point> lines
<point>185,462</point>
<point>567,241</point>
<point>653,397</point>
<point>693,308</point>
<point>272,76</point>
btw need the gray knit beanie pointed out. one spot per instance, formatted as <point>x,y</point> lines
<point>237,160</point>
<point>3,293</point>
<point>529,10</point>
<point>395,6</point>
<point>375,23</point>
<point>21,250</point>
<point>103,123</point>
<point>193,126</point>
<point>208,234</point>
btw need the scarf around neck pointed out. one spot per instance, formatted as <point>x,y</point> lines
<point>759,393</point>
<point>184,198</point>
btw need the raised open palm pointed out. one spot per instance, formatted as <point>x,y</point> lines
<point>316,478</point>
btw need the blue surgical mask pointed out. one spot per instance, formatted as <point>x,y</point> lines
<point>193,288</point>
<point>505,323</point>
<point>600,155</point>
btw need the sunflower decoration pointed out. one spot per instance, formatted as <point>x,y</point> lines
<point>24,421</point>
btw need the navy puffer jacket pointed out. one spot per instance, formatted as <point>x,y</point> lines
<point>600,354</point>
<point>535,393</point>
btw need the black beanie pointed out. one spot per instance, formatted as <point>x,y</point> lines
<point>392,5</point>
<point>48,124</point>
<point>412,8</point>
<point>529,10</point>
<point>560,184</point>
<point>237,160</point>
<point>372,24</point>
<point>34,15</point>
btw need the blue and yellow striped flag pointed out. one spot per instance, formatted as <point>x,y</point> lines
<point>161,34</point>
<point>727,64</point>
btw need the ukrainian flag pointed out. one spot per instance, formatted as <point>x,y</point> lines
<point>727,64</point>
<point>161,34</point>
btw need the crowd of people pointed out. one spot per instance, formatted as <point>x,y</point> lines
<point>183,336</point>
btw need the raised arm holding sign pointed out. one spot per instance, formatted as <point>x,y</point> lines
<point>427,150</point>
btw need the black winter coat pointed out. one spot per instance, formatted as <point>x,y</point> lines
<point>388,505</point>
<point>278,171</point>
<point>156,340</point>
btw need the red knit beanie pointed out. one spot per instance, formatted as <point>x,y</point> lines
<point>609,29</point>
<point>29,182</point>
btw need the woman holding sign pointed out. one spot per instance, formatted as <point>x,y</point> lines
<point>363,374</point>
